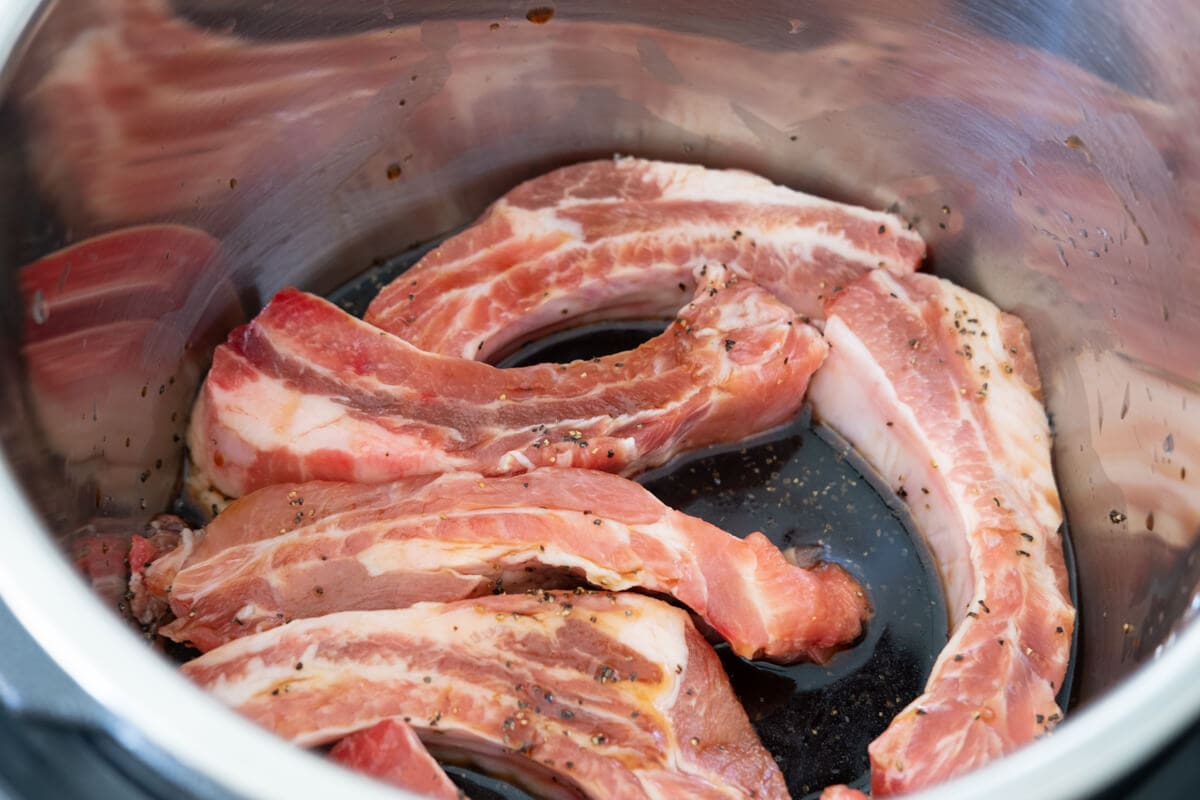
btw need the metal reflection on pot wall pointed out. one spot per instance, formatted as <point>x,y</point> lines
<point>311,145</point>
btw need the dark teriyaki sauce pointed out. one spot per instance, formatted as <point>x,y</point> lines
<point>805,489</point>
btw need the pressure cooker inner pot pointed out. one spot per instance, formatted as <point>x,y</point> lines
<point>1046,154</point>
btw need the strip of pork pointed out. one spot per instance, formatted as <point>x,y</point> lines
<point>619,239</point>
<point>307,392</point>
<point>392,752</point>
<point>938,390</point>
<point>303,550</point>
<point>164,534</point>
<point>567,693</point>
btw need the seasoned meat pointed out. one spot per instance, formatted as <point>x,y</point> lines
<point>462,535</point>
<point>621,238</point>
<point>938,389</point>
<point>308,392</point>
<point>600,694</point>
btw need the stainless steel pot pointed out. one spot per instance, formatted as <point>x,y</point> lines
<point>1049,152</point>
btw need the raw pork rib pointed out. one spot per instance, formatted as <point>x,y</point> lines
<point>595,693</point>
<point>939,391</point>
<point>354,547</point>
<point>307,392</point>
<point>392,752</point>
<point>164,534</point>
<point>620,238</point>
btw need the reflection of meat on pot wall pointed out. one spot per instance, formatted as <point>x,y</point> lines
<point>170,119</point>
<point>103,317</point>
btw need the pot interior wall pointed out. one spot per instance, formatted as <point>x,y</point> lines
<point>1047,153</point>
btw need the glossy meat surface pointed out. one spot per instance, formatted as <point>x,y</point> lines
<point>568,693</point>
<point>621,238</point>
<point>303,550</point>
<point>939,391</point>
<point>308,392</point>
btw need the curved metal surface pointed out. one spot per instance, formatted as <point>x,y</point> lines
<point>1049,155</point>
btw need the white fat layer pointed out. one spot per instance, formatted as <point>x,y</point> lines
<point>799,243</point>
<point>472,556</point>
<point>653,629</point>
<point>659,633</point>
<point>528,224</point>
<point>672,536</point>
<point>852,394</point>
<point>1017,416</point>
<point>264,413</point>
<point>251,611</point>
<point>429,553</point>
<point>480,558</point>
<point>515,461</point>
<point>691,183</point>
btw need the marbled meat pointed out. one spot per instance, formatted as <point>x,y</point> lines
<point>566,693</point>
<point>621,238</point>
<point>307,392</point>
<point>302,550</point>
<point>938,390</point>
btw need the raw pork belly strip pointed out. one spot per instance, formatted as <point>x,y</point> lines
<point>939,391</point>
<point>619,239</point>
<point>307,392</point>
<point>392,752</point>
<point>606,695</point>
<point>164,534</point>
<point>354,547</point>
